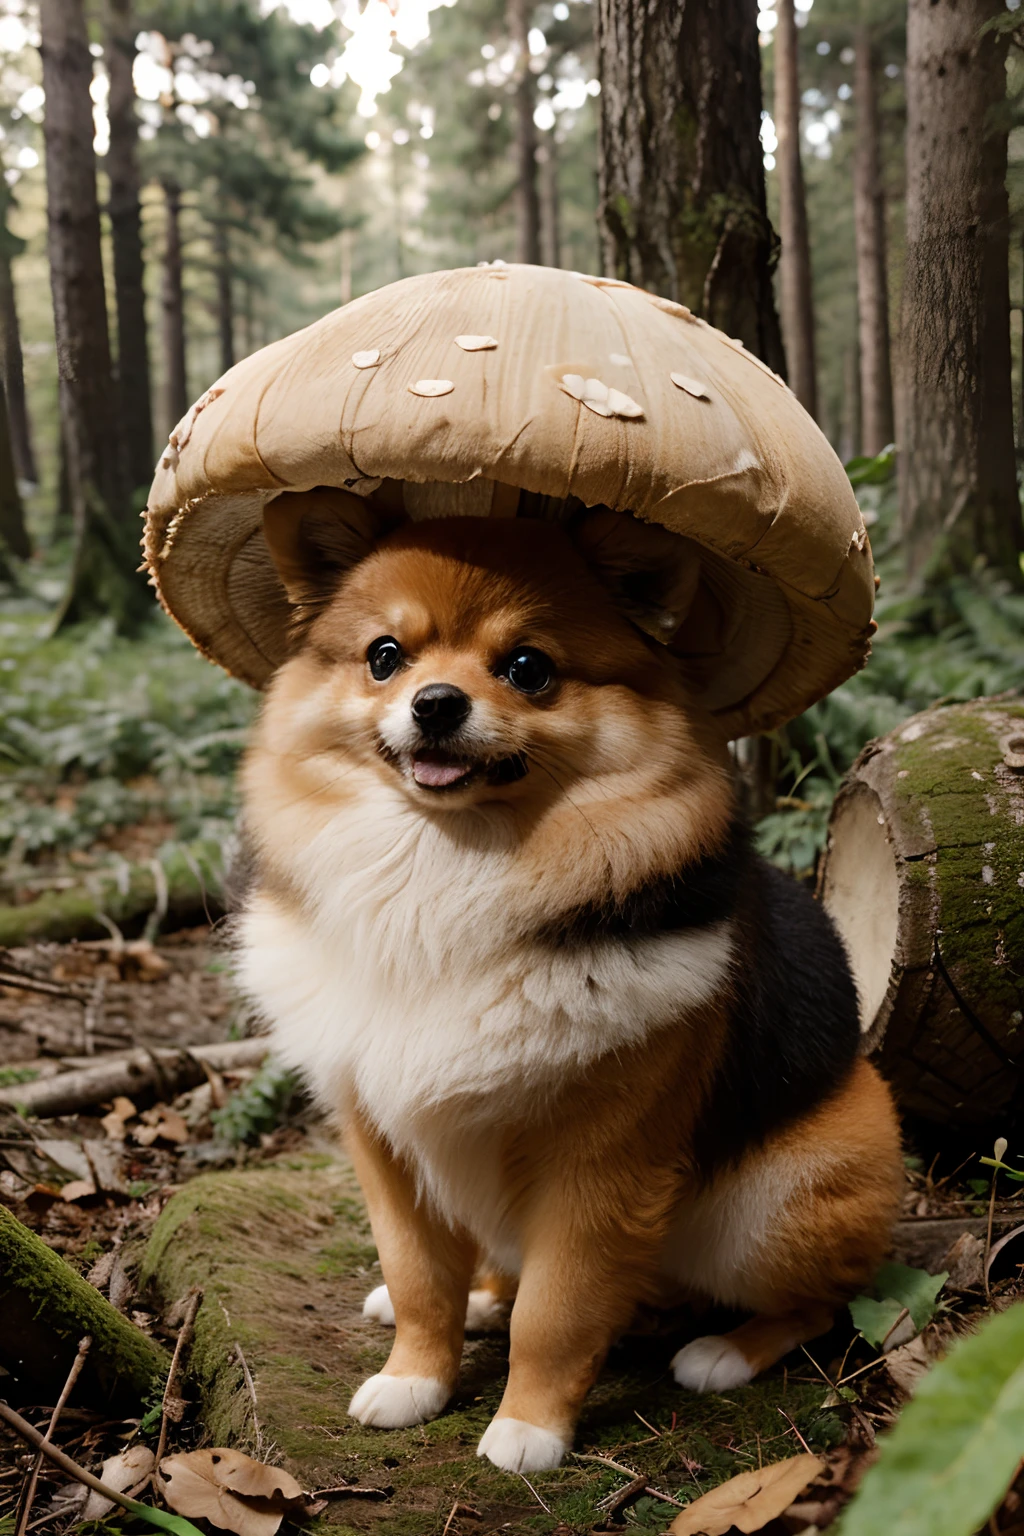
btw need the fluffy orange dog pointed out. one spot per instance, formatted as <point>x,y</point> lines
<point>586,1046</point>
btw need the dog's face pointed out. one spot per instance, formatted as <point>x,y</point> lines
<point>476,660</point>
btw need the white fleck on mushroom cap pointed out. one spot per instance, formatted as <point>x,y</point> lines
<point>707,442</point>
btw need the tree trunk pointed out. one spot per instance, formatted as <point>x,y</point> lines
<point>527,199</point>
<point>225,303</point>
<point>14,537</point>
<point>922,877</point>
<point>173,312</point>
<point>103,578</point>
<point>958,491</point>
<point>795,284</point>
<point>681,192</point>
<point>550,203</point>
<point>12,370</point>
<point>851,429</point>
<point>126,238</point>
<point>877,430</point>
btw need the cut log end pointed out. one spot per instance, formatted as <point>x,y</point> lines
<point>924,878</point>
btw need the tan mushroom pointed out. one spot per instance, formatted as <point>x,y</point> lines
<point>779,605</point>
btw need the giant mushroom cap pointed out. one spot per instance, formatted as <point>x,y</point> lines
<point>517,390</point>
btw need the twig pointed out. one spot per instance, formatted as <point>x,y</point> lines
<point>92,1015</point>
<point>27,1432</point>
<point>796,1432</point>
<point>243,1362</point>
<point>451,1517</point>
<point>184,1338</point>
<point>536,1495</point>
<point>28,1497</point>
<point>617,1466</point>
<point>23,983</point>
<point>643,1421</point>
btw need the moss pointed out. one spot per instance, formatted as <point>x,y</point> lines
<point>956,797</point>
<point>47,1307</point>
<point>270,1247</point>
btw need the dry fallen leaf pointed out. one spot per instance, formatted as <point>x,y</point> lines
<point>78,1189</point>
<point>232,1491</point>
<point>114,1123</point>
<point>160,1123</point>
<point>119,1472</point>
<point>750,1500</point>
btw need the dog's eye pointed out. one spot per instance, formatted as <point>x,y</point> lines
<point>527,669</point>
<point>385,658</point>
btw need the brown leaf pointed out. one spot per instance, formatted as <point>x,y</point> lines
<point>748,1501</point>
<point>231,1490</point>
<point>78,1189</point>
<point>119,1472</point>
<point>114,1123</point>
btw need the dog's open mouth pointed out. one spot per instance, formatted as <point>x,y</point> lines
<point>435,769</point>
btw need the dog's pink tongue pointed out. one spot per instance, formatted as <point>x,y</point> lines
<point>435,774</point>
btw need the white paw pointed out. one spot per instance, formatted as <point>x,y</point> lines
<point>395,1402</point>
<point>711,1364</point>
<point>484,1312</point>
<point>515,1446</point>
<point>378,1306</point>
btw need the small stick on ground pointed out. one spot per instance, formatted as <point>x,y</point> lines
<point>170,1390</point>
<point>616,1466</point>
<point>451,1517</point>
<point>796,1432</point>
<point>29,1494</point>
<point>92,1015</point>
<point>536,1495</point>
<point>243,1362</point>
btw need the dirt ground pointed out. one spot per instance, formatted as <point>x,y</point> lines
<point>271,1226</point>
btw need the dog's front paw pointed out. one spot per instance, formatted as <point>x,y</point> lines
<point>395,1402</point>
<point>515,1446</point>
<point>378,1306</point>
<point>711,1364</point>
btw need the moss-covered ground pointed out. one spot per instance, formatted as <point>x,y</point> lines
<point>285,1257</point>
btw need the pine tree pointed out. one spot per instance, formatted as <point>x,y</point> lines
<point>796,287</point>
<point>682,194</point>
<point>958,484</point>
<point>103,579</point>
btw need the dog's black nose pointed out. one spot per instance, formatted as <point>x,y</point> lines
<point>439,708</point>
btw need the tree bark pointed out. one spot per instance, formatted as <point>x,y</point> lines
<point>921,876</point>
<point>877,429</point>
<point>173,312</point>
<point>14,537</point>
<point>957,473</point>
<point>527,198</point>
<point>682,206</point>
<point>550,209</point>
<point>795,281</point>
<point>225,301</point>
<point>103,579</point>
<point>126,239</point>
<point>12,369</point>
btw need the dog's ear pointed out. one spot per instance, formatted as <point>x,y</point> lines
<point>652,573</point>
<point>314,537</point>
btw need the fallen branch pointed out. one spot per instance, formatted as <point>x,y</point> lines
<point>161,1070</point>
<point>47,1306</point>
<point>29,1494</point>
<point>187,887</point>
<point>171,1405</point>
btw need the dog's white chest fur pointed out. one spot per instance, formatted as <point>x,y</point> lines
<point>408,986</point>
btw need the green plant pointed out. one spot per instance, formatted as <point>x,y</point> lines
<point>949,1460</point>
<point>897,1289</point>
<point>258,1106</point>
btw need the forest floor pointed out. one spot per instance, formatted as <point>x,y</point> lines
<point>149,1199</point>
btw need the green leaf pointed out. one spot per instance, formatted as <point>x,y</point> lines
<point>896,1287</point>
<point>875,1319</point>
<point>950,1458</point>
<point>914,1289</point>
<point>175,1523</point>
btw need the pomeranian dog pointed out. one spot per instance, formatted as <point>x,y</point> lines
<point>587,1048</point>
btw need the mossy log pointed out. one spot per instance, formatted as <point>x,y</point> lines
<point>187,886</point>
<point>46,1307</point>
<point>924,876</point>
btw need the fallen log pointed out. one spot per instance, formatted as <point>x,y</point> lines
<point>924,877</point>
<point>47,1306</point>
<point>181,888</point>
<point>166,1071</point>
